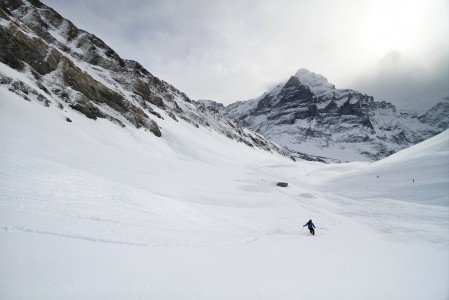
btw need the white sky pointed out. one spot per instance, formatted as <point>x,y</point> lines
<point>230,50</point>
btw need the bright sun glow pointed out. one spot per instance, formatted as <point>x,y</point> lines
<point>397,25</point>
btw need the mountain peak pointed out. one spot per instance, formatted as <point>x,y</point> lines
<point>293,81</point>
<point>309,115</point>
<point>317,83</point>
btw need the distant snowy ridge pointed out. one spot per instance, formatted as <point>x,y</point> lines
<point>308,115</point>
<point>437,116</point>
<point>46,58</point>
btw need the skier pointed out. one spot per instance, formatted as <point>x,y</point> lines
<point>311,227</point>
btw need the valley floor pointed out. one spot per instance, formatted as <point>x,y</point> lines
<point>111,213</point>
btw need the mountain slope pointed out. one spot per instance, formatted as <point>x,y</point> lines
<point>46,58</point>
<point>309,115</point>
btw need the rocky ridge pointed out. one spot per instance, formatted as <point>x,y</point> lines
<point>46,58</point>
<point>308,115</point>
<point>437,116</point>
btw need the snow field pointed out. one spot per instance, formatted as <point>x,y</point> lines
<point>89,210</point>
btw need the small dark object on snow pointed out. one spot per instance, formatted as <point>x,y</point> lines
<point>282,184</point>
<point>68,120</point>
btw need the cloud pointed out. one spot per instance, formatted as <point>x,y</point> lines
<point>230,50</point>
<point>407,83</point>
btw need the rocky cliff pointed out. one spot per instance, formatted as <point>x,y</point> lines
<point>46,58</point>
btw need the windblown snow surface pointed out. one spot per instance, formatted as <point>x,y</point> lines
<point>90,210</point>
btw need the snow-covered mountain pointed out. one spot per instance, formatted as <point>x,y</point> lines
<point>46,58</point>
<point>309,115</point>
<point>94,206</point>
<point>437,116</point>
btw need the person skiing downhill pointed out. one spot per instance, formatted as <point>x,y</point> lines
<point>311,227</point>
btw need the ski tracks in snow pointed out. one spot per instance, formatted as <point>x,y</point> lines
<point>49,199</point>
<point>399,219</point>
<point>70,236</point>
<point>35,195</point>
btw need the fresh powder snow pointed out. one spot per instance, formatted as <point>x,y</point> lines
<point>90,210</point>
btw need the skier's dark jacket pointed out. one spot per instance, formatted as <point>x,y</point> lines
<point>310,225</point>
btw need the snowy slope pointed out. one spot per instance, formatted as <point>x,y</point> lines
<point>90,210</point>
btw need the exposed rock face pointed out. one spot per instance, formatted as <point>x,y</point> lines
<point>60,65</point>
<point>28,44</point>
<point>437,116</point>
<point>309,115</point>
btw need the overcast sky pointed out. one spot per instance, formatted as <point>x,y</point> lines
<point>230,50</point>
